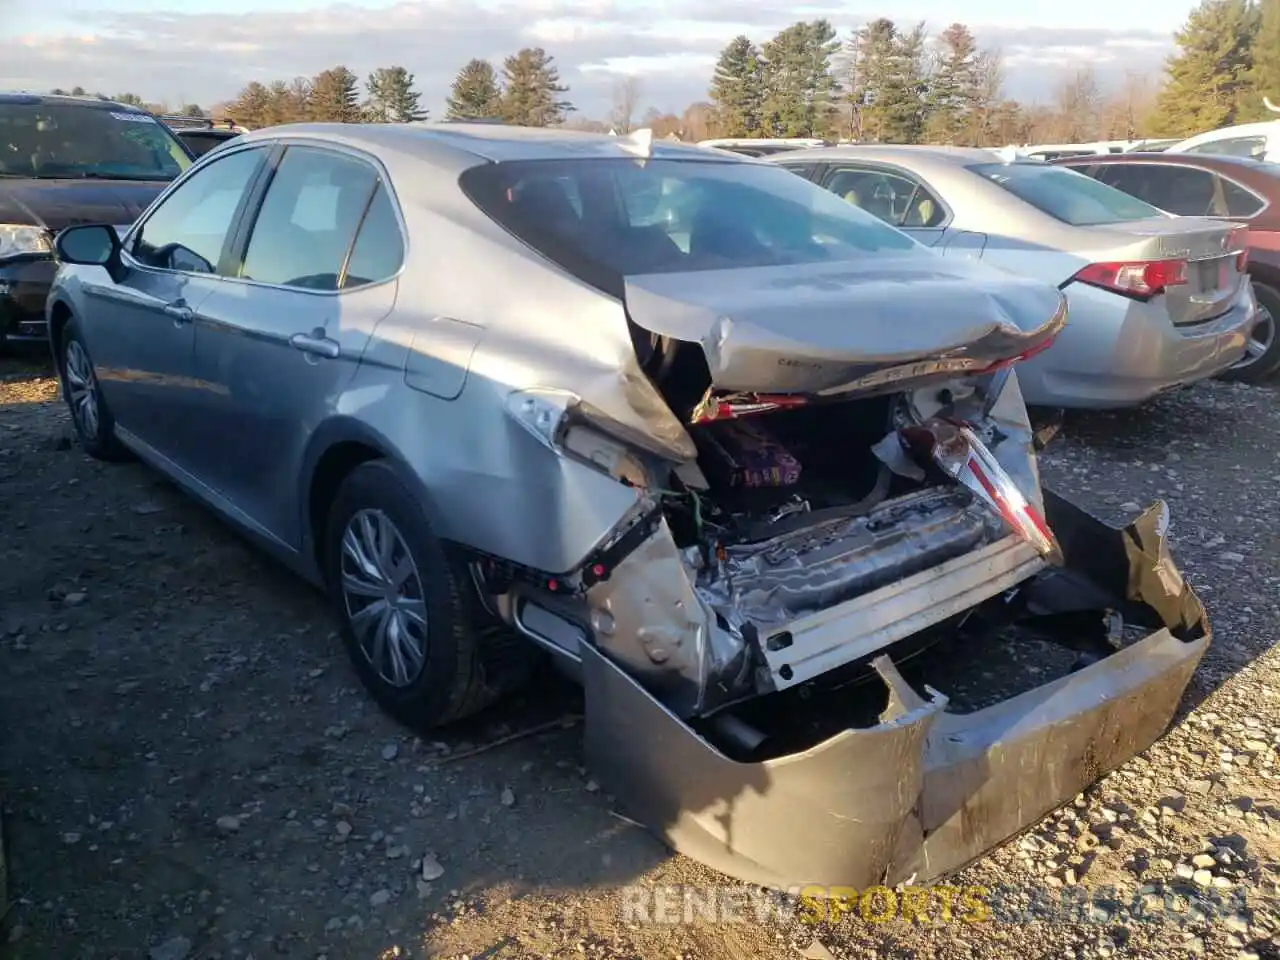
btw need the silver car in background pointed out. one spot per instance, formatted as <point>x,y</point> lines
<point>1155,301</point>
<point>722,445</point>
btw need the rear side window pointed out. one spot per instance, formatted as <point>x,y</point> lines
<point>308,219</point>
<point>604,219</point>
<point>1241,202</point>
<point>379,248</point>
<point>1066,195</point>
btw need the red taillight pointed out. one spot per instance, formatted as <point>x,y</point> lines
<point>1238,240</point>
<point>1141,280</point>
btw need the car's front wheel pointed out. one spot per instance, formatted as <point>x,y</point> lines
<point>94,426</point>
<point>1262,355</point>
<point>416,636</point>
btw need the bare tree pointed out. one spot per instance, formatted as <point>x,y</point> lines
<point>626,103</point>
<point>1079,101</point>
<point>988,99</point>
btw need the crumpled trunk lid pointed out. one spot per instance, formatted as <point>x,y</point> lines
<point>842,328</point>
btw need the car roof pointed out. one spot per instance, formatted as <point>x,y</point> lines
<point>20,98</point>
<point>1225,161</point>
<point>922,158</point>
<point>487,141</point>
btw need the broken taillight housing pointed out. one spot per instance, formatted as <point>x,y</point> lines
<point>1140,280</point>
<point>961,455</point>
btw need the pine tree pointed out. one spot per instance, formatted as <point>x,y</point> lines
<point>797,79</point>
<point>870,56</point>
<point>335,97</point>
<point>392,98</point>
<point>1209,76</point>
<point>892,82</point>
<point>953,87</point>
<point>737,89</point>
<point>475,94</point>
<point>532,89</point>
<point>253,107</point>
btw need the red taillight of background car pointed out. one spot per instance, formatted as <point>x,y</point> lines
<point>1238,241</point>
<point>1139,279</point>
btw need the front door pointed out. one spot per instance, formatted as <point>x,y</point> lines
<point>144,354</point>
<point>282,336</point>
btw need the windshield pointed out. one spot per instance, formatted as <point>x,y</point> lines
<point>61,140</point>
<point>604,219</point>
<point>1066,195</point>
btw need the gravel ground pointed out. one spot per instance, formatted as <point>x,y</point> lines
<point>188,768</point>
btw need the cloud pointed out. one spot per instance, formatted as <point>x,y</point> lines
<point>208,56</point>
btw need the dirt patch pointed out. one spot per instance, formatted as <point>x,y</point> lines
<point>189,768</point>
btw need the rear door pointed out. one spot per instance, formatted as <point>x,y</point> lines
<point>312,274</point>
<point>893,195</point>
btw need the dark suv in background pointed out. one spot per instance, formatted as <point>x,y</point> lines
<point>63,161</point>
<point>201,135</point>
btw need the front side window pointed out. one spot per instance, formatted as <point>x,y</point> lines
<point>634,217</point>
<point>190,227</point>
<point>895,199</point>
<point>308,219</point>
<point>1065,194</point>
<point>58,140</point>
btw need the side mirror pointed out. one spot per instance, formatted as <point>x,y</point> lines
<point>94,245</point>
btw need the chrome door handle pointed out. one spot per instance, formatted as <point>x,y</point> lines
<point>317,346</point>
<point>180,311</point>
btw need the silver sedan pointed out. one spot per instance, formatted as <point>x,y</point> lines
<point>713,439</point>
<point>1155,302</point>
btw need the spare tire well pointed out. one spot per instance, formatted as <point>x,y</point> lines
<point>333,467</point>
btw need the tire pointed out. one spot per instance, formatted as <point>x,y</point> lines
<point>467,659</point>
<point>95,427</point>
<point>1264,356</point>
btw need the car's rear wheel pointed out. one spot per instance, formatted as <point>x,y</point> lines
<point>90,416</point>
<point>418,639</point>
<point>1262,356</point>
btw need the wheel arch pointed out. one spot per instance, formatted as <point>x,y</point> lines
<point>59,315</point>
<point>337,447</point>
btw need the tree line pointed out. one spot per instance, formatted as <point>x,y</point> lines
<point>884,81</point>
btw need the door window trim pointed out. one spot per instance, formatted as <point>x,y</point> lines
<point>131,235</point>
<point>1214,171</point>
<point>244,229</point>
<point>877,166</point>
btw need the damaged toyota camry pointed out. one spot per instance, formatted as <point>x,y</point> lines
<point>746,461</point>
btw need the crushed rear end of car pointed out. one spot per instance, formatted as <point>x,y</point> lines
<point>839,634</point>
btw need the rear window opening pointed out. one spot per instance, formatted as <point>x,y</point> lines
<point>604,219</point>
<point>1066,195</point>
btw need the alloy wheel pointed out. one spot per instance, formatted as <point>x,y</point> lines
<point>383,596</point>
<point>1260,338</point>
<point>82,388</point>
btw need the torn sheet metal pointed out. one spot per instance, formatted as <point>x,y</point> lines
<point>923,792</point>
<point>790,329</point>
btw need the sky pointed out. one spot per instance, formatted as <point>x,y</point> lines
<point>177,51</point>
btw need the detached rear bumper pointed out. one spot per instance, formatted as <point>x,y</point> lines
<point>925,791</point>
